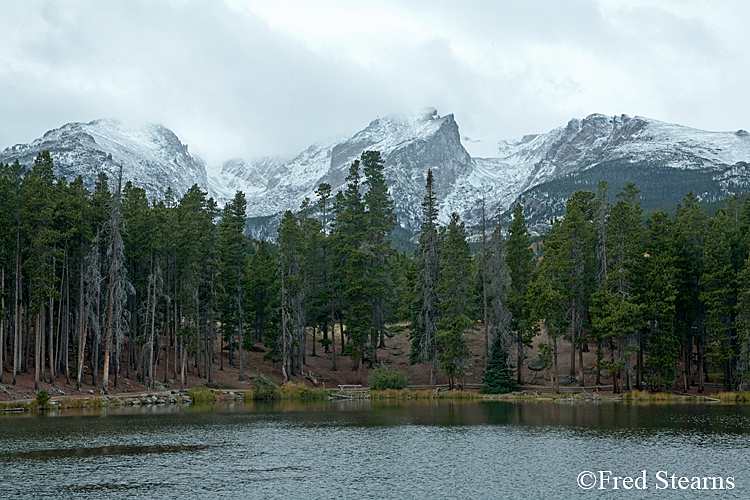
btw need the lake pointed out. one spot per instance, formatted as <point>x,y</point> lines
<point>381,450</point>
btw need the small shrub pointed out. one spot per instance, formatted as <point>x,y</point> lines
<point>498,377</point>
<point>200,395</point>
<point>734,397</point>
<point>300,392</point>
<point>96,402</point>
<point>264,390</point>
<point>387,377</point>
<point>42,399</point>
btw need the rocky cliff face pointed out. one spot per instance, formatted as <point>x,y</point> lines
<point>664,160</point>
<point>410,145</point>
<point>540,171</point>
<point>151,155</point>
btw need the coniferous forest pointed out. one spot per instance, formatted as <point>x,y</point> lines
<point>105,284</point>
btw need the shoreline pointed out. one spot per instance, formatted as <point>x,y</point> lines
<point>202,396</point>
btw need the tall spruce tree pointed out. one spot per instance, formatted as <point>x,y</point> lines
<point>233,265</point>
<point>520,265</point>
<point>719,296</point>
<point>657,293</point>
<point>500,315</point>
<point>426,314</point>
<point>379,223</point>
<point>291,290</point>
<point>454,299</point>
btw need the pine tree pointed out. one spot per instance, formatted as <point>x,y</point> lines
<point>520,265</point>
<point>42,237</point>
<point>689,240</point>
<point>354,262</point>
<point>233,265</point>
<point>426,315</point>
<point>498,377</point>
<point>261,291</point>
<point>454,295</point>
<point>291,291</point>
<point>616,310</point>
<point>657,293</point>
<point>118,287</point>
<point>379,223</point>
<point>719,296</point>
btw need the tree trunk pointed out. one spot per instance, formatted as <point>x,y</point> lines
<point>37,350</point>
<point>3,350</point>
<point>556,380</point>
<point>314,334</point>
<point>51,342</point>
<point>81,331</point>
<point>701,364</point>
<point>615,386</point>
<point>17,345</point>
<point>333,338</point>
<point>581,380</point>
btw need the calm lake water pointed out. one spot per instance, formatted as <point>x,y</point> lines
<point>363,450</point>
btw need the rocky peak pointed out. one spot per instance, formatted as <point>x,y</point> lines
<point>151,155</point>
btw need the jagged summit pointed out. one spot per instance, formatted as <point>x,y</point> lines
<point>540,171</point>
<point>409,144</point>
<point>152,156</point>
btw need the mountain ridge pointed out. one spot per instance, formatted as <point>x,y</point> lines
<point>537,170</point>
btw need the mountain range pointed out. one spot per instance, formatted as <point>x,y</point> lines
<point>540,171</point>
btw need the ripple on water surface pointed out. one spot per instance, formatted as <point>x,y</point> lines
<point>422,450</point>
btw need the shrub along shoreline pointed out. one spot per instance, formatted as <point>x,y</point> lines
<point>268,392</point>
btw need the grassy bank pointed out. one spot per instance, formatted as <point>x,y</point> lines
<point>264,391</point>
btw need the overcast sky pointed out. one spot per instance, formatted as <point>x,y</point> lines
<point>244,78</point>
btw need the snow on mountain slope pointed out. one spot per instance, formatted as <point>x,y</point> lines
<point>151,155</point>
<point>409,145</point>
<point>666,160</point>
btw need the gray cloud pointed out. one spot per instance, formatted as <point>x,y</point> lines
<point>236,79</point>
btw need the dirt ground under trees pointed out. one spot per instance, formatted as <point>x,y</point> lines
<point>396,353</point>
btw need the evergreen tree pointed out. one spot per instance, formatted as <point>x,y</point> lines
<point>37,216</point>
<point>426,315</point>
<point>379,223</point>
<point>520,265</point>
<point>689,240</point>
<point>657,293</point>
<point>498,377</point>
<point>233,266</point>
<point>499,291</point>
<point>616,310</point>
<point>719,296</point>
<point>261,292</point>
<point>292,292</point>
<point>454,295</point>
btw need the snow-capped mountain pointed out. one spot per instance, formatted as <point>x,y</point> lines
<point>409,145</point>
<point>664,160</point>
<point>151,155</point>
<point>541,171</point>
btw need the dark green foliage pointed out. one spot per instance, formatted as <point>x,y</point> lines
<point>666,302</point>
<point>498,376</point>
<point>425,313</point>
<point>42,398</point>
<point>265,390</point>
<point>386,377</point>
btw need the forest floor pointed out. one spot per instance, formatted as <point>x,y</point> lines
<point>396,353</point>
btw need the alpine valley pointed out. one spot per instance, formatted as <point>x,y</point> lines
<point>664,160</point>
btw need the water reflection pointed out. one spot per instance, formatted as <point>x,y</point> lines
<point>363,449</point>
